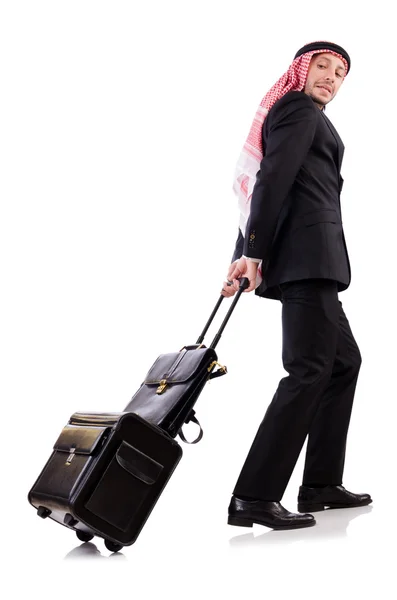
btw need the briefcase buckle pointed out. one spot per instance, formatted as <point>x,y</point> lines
<point>162,386</point>
<point>71,456</point>
<point>222,369</point>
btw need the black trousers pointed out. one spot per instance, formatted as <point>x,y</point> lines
<point>323,361</point>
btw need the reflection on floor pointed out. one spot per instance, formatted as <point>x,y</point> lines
<point>330,524</point>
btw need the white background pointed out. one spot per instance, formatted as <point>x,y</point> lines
<point>121,123</point>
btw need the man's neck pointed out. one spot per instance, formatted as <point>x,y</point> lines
<point>318,104</point>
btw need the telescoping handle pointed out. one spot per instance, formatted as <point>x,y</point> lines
<point>244,283</point>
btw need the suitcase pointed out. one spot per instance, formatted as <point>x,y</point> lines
<point>107,470</point>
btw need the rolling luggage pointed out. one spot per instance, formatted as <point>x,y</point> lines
<point>107,470</point>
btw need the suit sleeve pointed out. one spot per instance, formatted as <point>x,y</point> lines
<point>291,130</point>
<point>238,250</point>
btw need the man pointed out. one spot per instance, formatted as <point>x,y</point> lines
<point>291,247</point>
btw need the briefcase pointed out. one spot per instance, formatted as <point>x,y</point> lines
<point>174,382</point>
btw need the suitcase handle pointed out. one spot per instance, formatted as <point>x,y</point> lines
<point>244,283</point>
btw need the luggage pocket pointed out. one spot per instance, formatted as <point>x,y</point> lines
<point>124,486</point>
<point>73,454</point>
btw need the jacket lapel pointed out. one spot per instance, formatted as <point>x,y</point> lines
<point>339,143</point>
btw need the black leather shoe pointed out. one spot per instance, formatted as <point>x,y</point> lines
<point>332,496</point>
<point>271,514</point>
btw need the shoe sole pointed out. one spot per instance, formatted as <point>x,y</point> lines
<point>241,522</point>
<point>317,506</point>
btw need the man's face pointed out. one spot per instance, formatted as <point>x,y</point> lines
<point>325,71</point>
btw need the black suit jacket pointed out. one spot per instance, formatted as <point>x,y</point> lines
<point>295,223</point>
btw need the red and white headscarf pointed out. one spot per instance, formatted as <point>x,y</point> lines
<point>252,153</point>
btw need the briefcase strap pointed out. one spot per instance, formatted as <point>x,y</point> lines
<point>219,372</point>
<point>200,435</point>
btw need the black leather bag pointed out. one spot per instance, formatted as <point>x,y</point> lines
<point>174,382</point>
<point>107,470</point>
<point>105,475</point>
<point>172,386</point>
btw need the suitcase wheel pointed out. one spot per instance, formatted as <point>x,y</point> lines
<point>43,512</point>
<point>84,536</point>
<point>113,546</point>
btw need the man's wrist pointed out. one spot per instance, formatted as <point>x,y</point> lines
<point>255,260</point>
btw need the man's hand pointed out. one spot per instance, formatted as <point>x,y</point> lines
<point>240,268</point>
